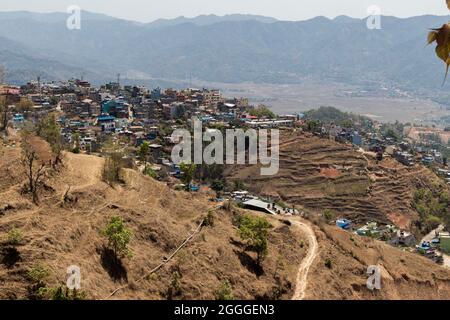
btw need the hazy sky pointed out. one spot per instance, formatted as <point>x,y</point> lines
<point>149,10</point>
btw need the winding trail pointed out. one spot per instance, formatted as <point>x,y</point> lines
<point>302,275</point>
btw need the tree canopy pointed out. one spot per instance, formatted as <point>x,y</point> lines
<point>254,231</point>
<point>118,235</point>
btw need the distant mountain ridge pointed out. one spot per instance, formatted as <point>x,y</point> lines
<point>204,20</point>
<point>233,48</point>
<point>52,16</point>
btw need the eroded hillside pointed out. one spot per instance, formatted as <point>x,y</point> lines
<point>340,270</point>
<point>318,174</point>
<point>58,234</point>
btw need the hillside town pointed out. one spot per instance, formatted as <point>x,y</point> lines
<point>136,118</point>
<point>135,114</point>
<point>131,127</point>
<point>203,155</point>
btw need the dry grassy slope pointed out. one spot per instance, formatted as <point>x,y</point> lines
<point>319,174</point>
<point>58,235</point>
<point>404,275</point>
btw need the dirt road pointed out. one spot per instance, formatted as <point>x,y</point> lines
<point>433,234</point>
<point>302,275</point>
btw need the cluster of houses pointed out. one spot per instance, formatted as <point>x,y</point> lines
<point>342,134</point>
<point>408,155</point>
<point>88,114</point>
<point>400,238</point>
<point>388,233</point>
<point>360,136</point>
<point>368,138</point>
<point>435,248</point>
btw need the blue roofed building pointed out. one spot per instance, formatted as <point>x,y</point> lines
<point>344,224</point>
<point>107,123</point>
<point>18,120</point>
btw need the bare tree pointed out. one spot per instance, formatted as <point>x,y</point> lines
<point>4,114</point>
<point>37,158</point>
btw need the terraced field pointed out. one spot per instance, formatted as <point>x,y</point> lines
<point>317,174</point>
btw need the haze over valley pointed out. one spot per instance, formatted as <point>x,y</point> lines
<point>291,66</point>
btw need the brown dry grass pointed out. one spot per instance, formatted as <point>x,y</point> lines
<point>318,174</point>
<point>365,190</point>
<point>58,234</point>
<point>404,275</point>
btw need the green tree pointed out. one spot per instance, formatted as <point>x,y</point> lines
<point>262,112</point>
<point>76,143</point>
<point>328,215</point>
<point>188,171</point>
<point>174,286</point>
<point>238,185</point>
<point>447,221</point>
<point>49,129</point>
<point>225,292</point>
<point>38,274</point>
<point>431,223</point>
<point>254,231</point>
<point>54,100</point>
<point>209,219</point>
<point>432,204</point>
<point>14,236</point>
<point>143,153</point>
<point>312,126</point>
<point>24,105</point>
<point>392,134</point>
<point>62,293</point>
<point>218,186</point>
<point>151,173</point>
<point>119,236</point>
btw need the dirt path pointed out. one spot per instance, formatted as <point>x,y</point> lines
<point>90,173</point>
<point>433,234</point>
<point>302,275</point>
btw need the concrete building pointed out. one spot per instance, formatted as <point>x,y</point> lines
<point>259,205</point>
<point>402,238</point>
